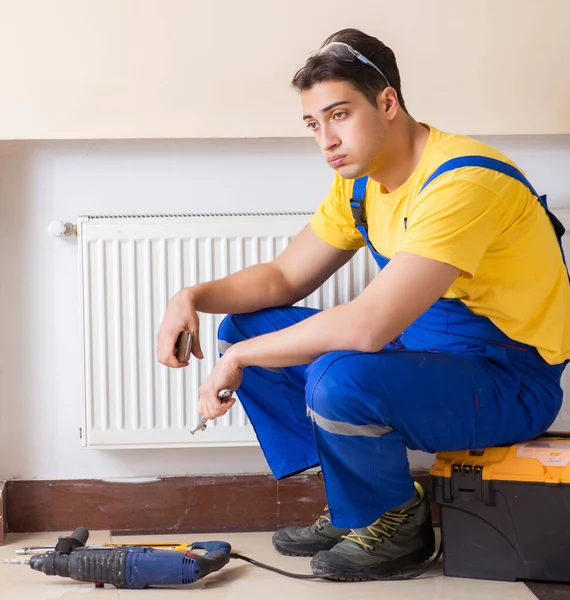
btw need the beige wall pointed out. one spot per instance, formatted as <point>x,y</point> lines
<point>182,68</point>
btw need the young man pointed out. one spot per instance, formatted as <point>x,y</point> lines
<point>458,343</point>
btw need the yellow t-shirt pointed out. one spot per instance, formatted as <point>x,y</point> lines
<point>486,224</point>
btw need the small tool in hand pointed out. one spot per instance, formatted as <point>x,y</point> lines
<point>202,424</point>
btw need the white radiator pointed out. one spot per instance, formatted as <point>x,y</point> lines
<point>130,267</point>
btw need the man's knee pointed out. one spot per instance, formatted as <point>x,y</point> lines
<point>327,388</point>
<point>237,328</point>
<point>340,399</point>
<point>233,329</point>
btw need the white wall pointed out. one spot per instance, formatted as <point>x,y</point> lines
<point>40,375</point>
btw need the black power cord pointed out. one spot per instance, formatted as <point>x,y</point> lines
<point>401,577</point>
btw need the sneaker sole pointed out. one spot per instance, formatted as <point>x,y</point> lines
<point>296,549</point>
<point>415,559</point>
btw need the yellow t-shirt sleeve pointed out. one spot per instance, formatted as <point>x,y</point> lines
<point>455,221</point>
<point>333,221</point>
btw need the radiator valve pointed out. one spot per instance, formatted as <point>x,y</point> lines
<point>59,228</point>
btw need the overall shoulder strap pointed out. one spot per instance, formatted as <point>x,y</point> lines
<point>356,202</point>
<point>485,163</point>
<point>506,169</point>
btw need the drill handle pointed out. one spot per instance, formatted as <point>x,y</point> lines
<point>217,556</point>
<point>68,543</point>
<point>212,547</point>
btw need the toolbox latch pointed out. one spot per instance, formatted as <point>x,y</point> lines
<point>468,485</point>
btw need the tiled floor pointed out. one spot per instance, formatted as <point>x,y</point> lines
<point>240,580</point>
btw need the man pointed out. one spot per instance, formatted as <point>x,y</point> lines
<point>458,343</point>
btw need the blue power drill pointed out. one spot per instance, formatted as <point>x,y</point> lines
<point>131,567</point>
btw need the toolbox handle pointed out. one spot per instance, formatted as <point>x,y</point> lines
<point>467,484</point>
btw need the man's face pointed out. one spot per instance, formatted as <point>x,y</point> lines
<point>350,131</point>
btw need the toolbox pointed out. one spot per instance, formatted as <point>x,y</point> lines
<point>505,511</point>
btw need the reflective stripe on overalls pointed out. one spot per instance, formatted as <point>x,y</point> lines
<point>450,381</point>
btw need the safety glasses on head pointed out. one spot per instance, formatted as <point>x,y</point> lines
<point>348,53</point>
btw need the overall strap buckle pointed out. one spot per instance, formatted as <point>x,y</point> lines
<point>357,201</point>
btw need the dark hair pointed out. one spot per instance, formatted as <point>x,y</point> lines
<point>328,67</point>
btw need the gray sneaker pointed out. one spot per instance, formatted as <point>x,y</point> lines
<point>307,541</point>
<point>399,539</point>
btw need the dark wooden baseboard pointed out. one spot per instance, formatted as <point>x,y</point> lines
<point>2,511</point>
<point>169,505</point>
<point>179,505</point>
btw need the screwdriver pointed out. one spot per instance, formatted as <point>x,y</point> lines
<point>179,546</point>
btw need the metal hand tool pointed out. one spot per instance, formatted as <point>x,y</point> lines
<point>202,424</point>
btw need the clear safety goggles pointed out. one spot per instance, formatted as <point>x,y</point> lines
<point>347,53</point>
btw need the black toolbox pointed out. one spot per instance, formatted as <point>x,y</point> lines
<point>505,511</point>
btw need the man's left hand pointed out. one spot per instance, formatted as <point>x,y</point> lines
<point>225,375</point>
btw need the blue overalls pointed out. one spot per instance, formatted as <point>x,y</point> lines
<point>450,381</point>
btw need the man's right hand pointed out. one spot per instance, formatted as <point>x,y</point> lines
<point>179,316</point>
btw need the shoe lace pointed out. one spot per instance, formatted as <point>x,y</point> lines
<point>385,527</point>
<point>323,519</point>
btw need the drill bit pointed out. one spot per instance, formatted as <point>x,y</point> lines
<point>15,561</point>
<point>202,424</point>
